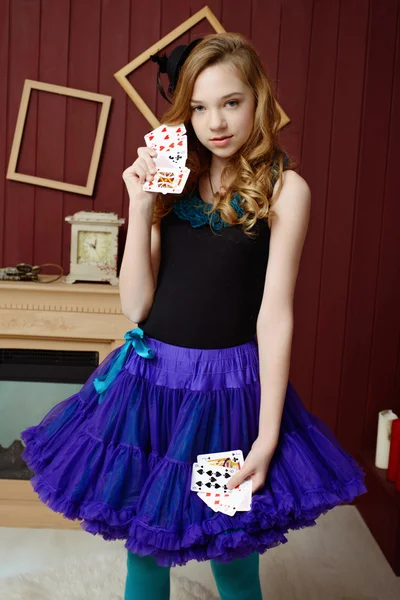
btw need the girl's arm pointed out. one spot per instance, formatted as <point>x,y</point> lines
<point>140,263</point>
<point>141,260</point>
<point>275,318</point>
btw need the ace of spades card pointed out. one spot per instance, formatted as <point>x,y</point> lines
<point>170,143</point>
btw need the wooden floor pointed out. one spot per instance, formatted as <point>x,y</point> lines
<point>338,559</point>
<point>20,507</point>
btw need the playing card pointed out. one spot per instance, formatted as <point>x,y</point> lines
<point>232,459</point>
<point>238,499</point>
<point>213,499</point>
<point>244,493</point>
<point>165,139</point>
<point>163,131</point>
<point>182,181</point>
<point>229,506</point>
<point>222,501</point>
<point>170,142</point>
<point>168,181</point>
<point>171,159</point>
<point>206,478</point>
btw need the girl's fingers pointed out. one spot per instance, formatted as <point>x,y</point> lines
<point>144,167</point>
<point>150,161</point>
<point>152,166</point>
<point>140,173</point>
<point>143,173</point>
<point>147,167</point>
<point>148,155</point>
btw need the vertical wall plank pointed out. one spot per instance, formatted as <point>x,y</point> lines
<point>204,28</point>
<point>23,64</point>
<point>174,12</point>
<point>382,390</point>
<point>294,52</point>
<point>397,373</point>
<point>4,124</point>
<point>236,16</point>
<point>114,48</point>
<point>340,198</point>
<point>366,234</point>
<point>265,34</point>
<point>51,117</point>
<point>317,132</point>
<point>82,115</point>
<point>144,31</point>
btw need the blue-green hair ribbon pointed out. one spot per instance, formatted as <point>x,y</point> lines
<point>135,338</point>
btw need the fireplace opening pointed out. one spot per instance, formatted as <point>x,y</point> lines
<point>31,383</point>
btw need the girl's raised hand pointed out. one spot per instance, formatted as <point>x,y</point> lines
<point>143,169</point>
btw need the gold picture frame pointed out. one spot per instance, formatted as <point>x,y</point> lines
<point>122,75</point>
<point>12,173</point>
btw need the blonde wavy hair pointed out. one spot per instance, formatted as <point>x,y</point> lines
<point>253,169</point>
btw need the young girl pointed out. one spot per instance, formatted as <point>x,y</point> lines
<point>209,278</point>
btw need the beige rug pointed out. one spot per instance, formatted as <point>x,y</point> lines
<point>97,577</point>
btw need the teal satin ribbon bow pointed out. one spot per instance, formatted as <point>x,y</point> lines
<point>135,338</point>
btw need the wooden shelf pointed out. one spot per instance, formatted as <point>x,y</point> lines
<point>368,457</point>
<point>380,508</point>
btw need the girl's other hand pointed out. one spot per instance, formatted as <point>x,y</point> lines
<point>142,170</point>
<point>254,467</point>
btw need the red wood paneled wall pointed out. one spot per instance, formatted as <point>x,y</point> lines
<point>336,68</point>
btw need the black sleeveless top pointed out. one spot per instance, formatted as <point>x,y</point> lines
<point>211,282</point>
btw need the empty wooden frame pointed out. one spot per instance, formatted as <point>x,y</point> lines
<point>122,75</point>
<point>19,129</point>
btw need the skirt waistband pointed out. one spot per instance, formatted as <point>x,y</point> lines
<point>177,366</point>
<point>200,354</point>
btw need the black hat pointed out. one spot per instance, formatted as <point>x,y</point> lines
<point>172,65</point>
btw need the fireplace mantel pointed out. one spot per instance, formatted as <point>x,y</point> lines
<point>60,315</point>
<point>54,316</point>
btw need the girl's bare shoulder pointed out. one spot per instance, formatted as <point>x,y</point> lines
<point>293,185</point>
<point>294,198</point>
<point>291,179</point>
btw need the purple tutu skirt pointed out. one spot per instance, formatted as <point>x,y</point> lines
<point>118,455</point>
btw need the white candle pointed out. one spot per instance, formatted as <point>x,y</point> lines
<point>383,439</point>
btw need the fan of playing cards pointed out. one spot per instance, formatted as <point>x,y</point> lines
<point>170,143</point>
<point>209,477</point>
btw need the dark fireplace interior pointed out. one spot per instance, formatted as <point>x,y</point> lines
<point>31,383</point>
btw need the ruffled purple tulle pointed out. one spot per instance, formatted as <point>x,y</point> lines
<point>123,467</point>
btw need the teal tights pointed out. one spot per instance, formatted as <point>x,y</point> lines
<point>236,580</point>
